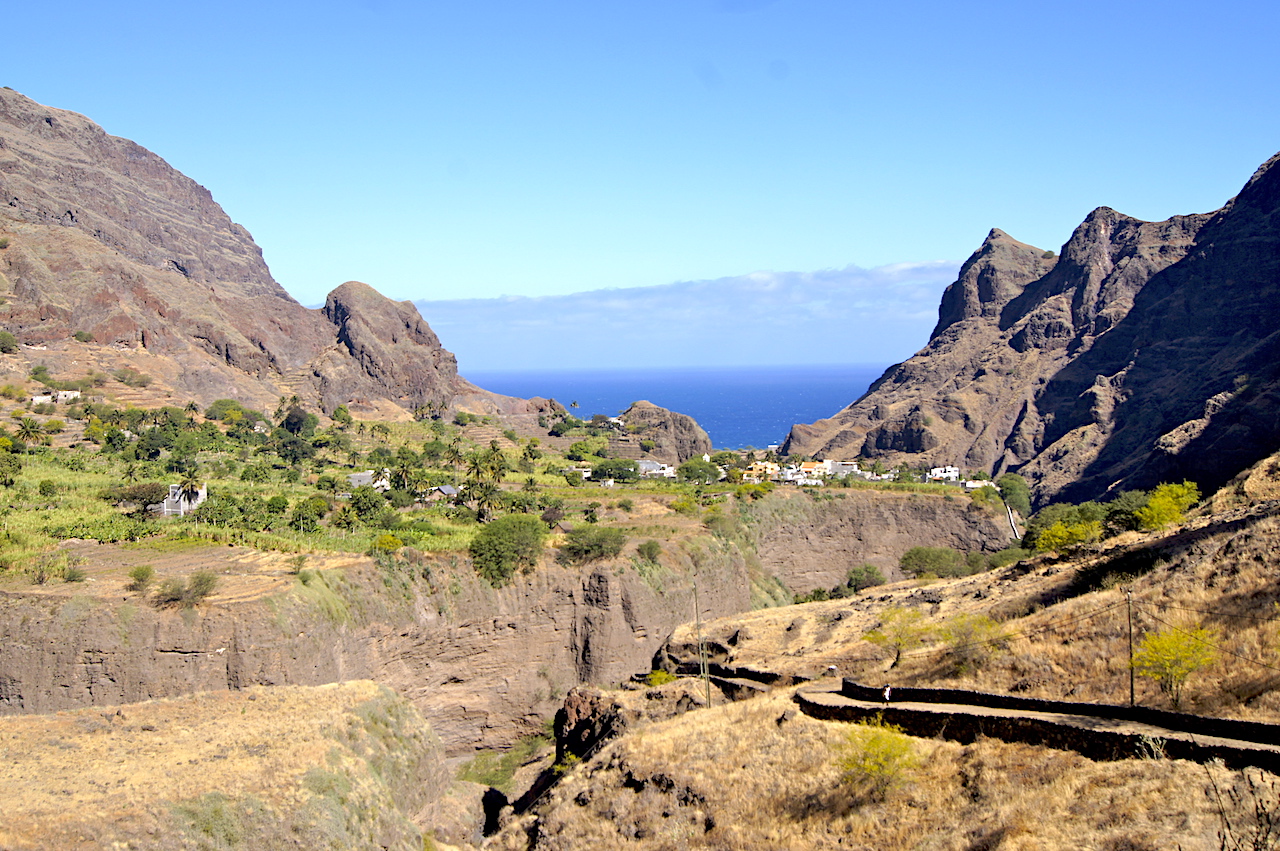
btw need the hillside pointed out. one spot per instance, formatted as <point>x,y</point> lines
<point>660,769</point>
<point>1145,352</point>
<point>103,238</point>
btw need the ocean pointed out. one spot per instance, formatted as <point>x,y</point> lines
<point>739,406</point>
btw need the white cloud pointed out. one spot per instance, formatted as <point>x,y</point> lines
<point>848,315</point>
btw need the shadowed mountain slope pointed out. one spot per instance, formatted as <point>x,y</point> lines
<point>1147,352</point>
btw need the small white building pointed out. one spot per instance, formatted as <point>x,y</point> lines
<point>945,474</point>
<point>179,503</point>
<point>380,482</point>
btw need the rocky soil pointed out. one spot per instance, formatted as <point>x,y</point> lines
<point>1146,352</point>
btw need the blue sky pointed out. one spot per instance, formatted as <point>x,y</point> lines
<point>446,151</point>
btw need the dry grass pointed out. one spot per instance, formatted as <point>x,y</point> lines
<point>736,777</point>
<point>206,768</point>
<point>1068,642</point>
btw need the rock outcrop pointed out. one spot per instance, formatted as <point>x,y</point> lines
<point>104,237</point>
<point>676,437</point>
<point>1147,352</point>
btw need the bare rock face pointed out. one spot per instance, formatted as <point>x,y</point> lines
<point>1145,353</point>
<point>678,437</point>
<point>105,237</point>
<point>812,544</point>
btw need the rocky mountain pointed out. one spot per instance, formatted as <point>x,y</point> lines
<point>104,237</point>
<point>1146,352</point>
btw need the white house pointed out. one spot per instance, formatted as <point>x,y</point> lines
<point>380,482</point>
<point>946,474</point>
<point>655,470</point>
<point>178,503</point>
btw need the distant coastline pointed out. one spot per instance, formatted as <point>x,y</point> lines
<point>739,406</point>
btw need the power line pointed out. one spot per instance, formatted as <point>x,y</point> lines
<point>1217,647</point>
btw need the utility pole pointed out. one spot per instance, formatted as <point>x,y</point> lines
<point>702,647</point>
<point>1128,599</point>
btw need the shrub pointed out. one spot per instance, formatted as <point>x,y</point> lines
<point>1016,493</point>
<point>73,574</point>
<point>505,544</point>
<point>972,640</point>
<point>174,591</point>
<point>658,677</point>
<point>1166,505</point>
<point>8,343</point>
<point>48,488</point>
<point>649,551</point>
<point>141,578</point>
<point>131,377</point>
<point>384,544</point>
<point>590,543</point>
<point>83,337</point>
<point>875,757</point>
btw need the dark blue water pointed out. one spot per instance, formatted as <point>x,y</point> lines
<point>738,406</point>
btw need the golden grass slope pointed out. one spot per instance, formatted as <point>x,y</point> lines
<point>349,765</point>
<point>758,775</point>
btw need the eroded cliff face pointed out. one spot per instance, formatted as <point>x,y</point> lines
<point>1146,352</point>
<point>482,665</point>
<point>810,543</point>
<point>105,237</point>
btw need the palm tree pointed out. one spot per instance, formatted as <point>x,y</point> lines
<point>189,488</point>
<point>191,408</point>
<point>29,429</point>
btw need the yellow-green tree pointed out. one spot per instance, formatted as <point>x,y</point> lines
<point>1167,504</point>
<point>900,630</point>
<point>1172,655</point>
<point>1063,536</point>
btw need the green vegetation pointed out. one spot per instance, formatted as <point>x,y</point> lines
<point>140,578</point>
<point>506,544</point>
<point>932,561</point>
<point>83,337</point>
<point>1172,655</point>
<point>659,677</point>
<point>175,592</point>
<point>1063,527</point>
<point>590,543</point>
<point>8,343</point>
<point>972,640</point>
<point>858,579</point>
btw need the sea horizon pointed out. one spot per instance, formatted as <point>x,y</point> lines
<point>738,406</point>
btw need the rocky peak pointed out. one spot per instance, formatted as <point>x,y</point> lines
<point>992,276</point>
<point>1146,353</point>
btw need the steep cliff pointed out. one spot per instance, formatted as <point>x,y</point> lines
<point>809,543</point>
<point>482,665</point>
<point>104,237</point>
<point>1146,352</point>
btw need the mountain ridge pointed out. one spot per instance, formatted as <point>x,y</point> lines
<point>1145,352</point>
<point>105,238</point>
